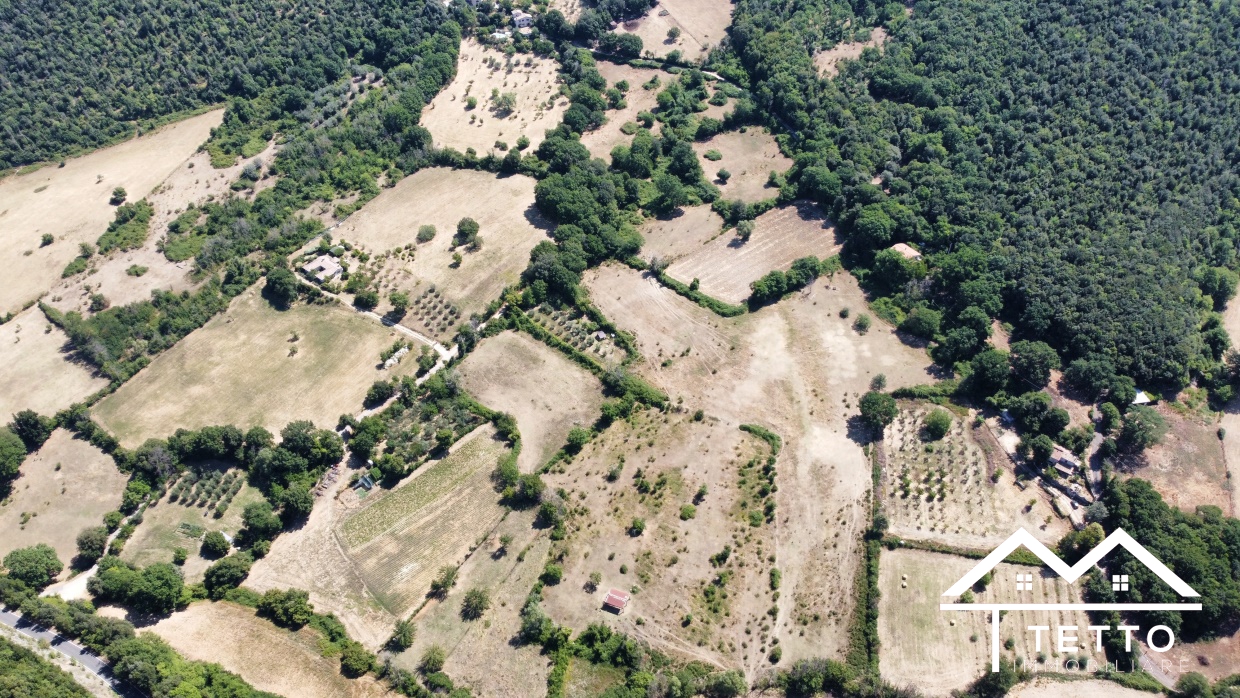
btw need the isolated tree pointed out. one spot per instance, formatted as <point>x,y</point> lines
<point>91,544</point>
<point>937,424</point>
<point>36,565</point>
<point>403,636</point>
<point>744,230</point>
<point>282,286</point>
<point>400,303</point>
<point>215,545</point>
<point>466,231</point>
<point>673,33</point>
<point>476,602</point>
<point>724,175</point>
<point>118,196</point>
<point>444,582</point>
<point>426,233</point>
<point>577,438</point>
<point>878,409</point>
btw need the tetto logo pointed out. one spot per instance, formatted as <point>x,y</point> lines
<point>1024,583</point>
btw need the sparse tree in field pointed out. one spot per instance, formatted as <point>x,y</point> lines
<point>471,103</point>
<point>687,511</point>
<point>466,231</point>
<point>400,303</point>
<point>402,636</point>
<point>456,260</point>
<point>673,33</point>
<point>862,323</point>
<point>578,438</point>
<point>426,233</point>
<point>443,583</point>
<point>701,495</point>
<point>637,527</point>
<point>523,143</point>
<point>504,541</point>
<point>1143,427</point>
<point>744,230</point>
<point>596,578</point>
<point>878,382</point>
<point>46,240</point>
<point>118,196</point>
<point>937,424</point>
<point>723,175</point>
<point>878,409</point>
<point>215,545</point>
<point>505,103</point>
<point>179,556</point>
<point>476,602</point>
<point>432,659</point>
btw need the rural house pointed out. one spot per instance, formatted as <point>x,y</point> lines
<point>1064,461</point>
<point>324,268</point>
<point>616,601</point>
<point>521,20</point>
<point>906,251</point>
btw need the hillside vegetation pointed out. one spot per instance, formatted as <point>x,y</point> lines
<point>1069,166</point>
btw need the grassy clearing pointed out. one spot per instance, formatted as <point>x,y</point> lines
<point>66,486</point>
<point>241,368</point>
<point>34,373</point>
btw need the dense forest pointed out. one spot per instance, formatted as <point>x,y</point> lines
<point>1068,166</point>
<point>79,75</point>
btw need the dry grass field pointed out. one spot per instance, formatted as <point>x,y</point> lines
<point>534,81</point>
<point>669,565</point>
<point>943,491</point>
<point>703,24</point>
<point>71,203</point>
<point>399,539</point>
<point>1188,468</point>
<point>547,393</point>
<point>193,181</point>
<point>240,368</point>
<point>480,653</point>
<point>1054,688</point>
<point>270,658</point>
<point>681,234</point>
<point>750,157</point>
<point>161,533</point>
<point>64,487</point>
<point>828,61</point>
<point>727,266</point>
<point>921,647</point>
<point>798,369</point>
<point>601,140</point>
<point>509,223</point>
<point>35,372</point>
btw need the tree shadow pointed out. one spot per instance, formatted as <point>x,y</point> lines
<point>860,431</point>
<point>535,218</point>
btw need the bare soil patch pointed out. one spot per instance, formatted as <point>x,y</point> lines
<point>270,658</point>
<point>678,236</point>
<point>750,157</point>
<point>798,369</point>
<point>1188,468</point>
<point>71,202</point>
<point>703,24</point>
<point>944,491</point>
<point>922,648</point>
<point>36,372</point>
<point>479,70</point>
<point>509,224</point>
<point>64,487</point>
<point>241,368</point>
<point>601,140</point>
<point>1216,659</point>
<point>828,61</point>
<point>547,393</point>
<point>727,266</point>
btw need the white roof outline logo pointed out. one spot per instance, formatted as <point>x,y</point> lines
<point>1118,538</point>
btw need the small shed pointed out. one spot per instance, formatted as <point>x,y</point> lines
<point>616,601</point>
<point>1143,398</point>
<point>906,251</point>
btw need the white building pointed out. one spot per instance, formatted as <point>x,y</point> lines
<point>522,19</point>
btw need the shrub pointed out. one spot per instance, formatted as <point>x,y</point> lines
<point>878,409</point>
<point>444,582</point>
<point>426,233</point>
<point>688,511</point>
<point>637,527</point>
<point>552,574</point>
<point>215,545</point>
<point>937,424</point>
<point>713,155</point>
<point>862,323</point>
<point>118,196</point>
<point>476,602</point>
<point>432,659</point>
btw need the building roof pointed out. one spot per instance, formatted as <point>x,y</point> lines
<point>323,267</point>
<point>906,251</point>
<point>1063,455</point>
<point>616,599</point>
<point>1142,398</point>
<point>366,482</point>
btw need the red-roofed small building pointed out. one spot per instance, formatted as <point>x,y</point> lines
<point>616,601</point>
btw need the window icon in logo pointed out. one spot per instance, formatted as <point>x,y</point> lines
<point>1024,582</point>
<point>1119,582</point>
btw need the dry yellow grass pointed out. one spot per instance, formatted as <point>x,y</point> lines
<point>750,157</point>
<point>703,24</point>
<point>920,645</point>
<point>509,223</point>
<point>66,486</point>
<point>238,369</point>
<point>677,236</point>
<point>268,657</point>
<point>547,393</point>
<point>71,203</point>
<point>35,372</point>
<point>479,70</point>
<point>1052,688</point>
<point>601,140</point>
<point>726,266</point>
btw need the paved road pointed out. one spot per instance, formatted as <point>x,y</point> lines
<point>71,650</point>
